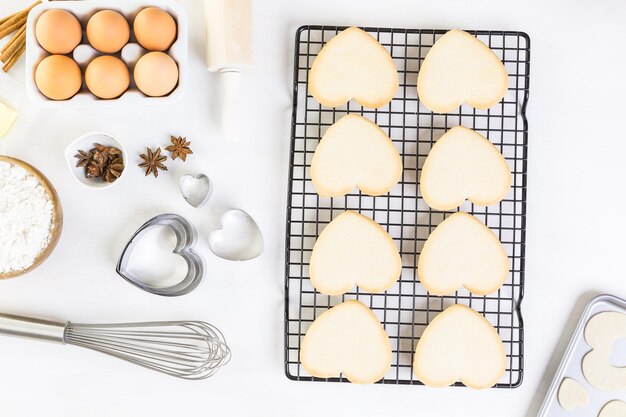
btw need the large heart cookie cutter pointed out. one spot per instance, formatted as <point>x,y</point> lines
<point>185,238</point>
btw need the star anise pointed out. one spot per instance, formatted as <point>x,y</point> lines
<point>113,153</point>
<point>99,157</point>
<point>83,158</point>
<point>114,170</point>
<point>179,147</point>
<point>101,162</point>
<point>93,170</point>
<point>153,161</point>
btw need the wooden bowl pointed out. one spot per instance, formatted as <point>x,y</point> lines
<point>57,216</point>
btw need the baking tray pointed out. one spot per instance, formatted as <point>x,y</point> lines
<point>571,365</point>
<point>83,10</point>
<point>406,309</point>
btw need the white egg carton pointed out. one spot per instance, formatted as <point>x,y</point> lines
<point>83,54</point>
<point>570,366</point>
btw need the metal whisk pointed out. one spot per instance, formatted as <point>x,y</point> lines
<point>185,349</point>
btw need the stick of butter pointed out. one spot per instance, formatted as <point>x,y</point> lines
<point>7,117</point>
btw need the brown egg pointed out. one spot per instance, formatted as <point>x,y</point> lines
<point>156,74</point>
<point>58,31</point>
<point>107,77</point>
<point>58,77</point>
<point>155,29</point>
<point>108,31</point>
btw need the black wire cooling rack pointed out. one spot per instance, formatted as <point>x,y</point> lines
<point>407,308</point>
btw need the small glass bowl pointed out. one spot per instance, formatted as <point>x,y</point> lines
<point>85,143</point>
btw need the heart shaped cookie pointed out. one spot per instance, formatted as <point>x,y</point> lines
<point>459,69</point>
<point>185,234</point>
<point>459,345</point>
<point>615,408</point>
<point>355,152</point>
<point>354,249</point>
<point>572,394</point>
<point>461,165</point>
<point>601,332</point>
<point>353,65</point>
<point>462,251</point>
<point>347,339</point>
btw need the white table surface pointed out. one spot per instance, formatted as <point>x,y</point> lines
<point>576,225</point>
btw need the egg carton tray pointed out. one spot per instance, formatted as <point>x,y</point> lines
<point>83,10</point>
<point>407,308</point>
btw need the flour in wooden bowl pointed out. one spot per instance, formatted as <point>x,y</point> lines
<point>26,218</point>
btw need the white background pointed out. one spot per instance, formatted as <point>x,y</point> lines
<point>576,224</point>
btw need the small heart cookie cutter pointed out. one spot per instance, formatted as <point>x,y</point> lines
<point>186,236</point>
<point>196,189</point>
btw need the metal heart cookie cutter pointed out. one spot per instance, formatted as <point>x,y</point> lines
<point>196,189</point>
<point>185,239</point>
<point>239,237</point>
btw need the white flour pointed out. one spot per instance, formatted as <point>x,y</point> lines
<point>25,218</point>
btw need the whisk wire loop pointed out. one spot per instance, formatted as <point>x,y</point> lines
<point>190,350</point>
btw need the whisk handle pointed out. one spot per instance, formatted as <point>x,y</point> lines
<point>32,328</point>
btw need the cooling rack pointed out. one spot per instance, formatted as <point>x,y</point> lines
<point>407,308</point>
